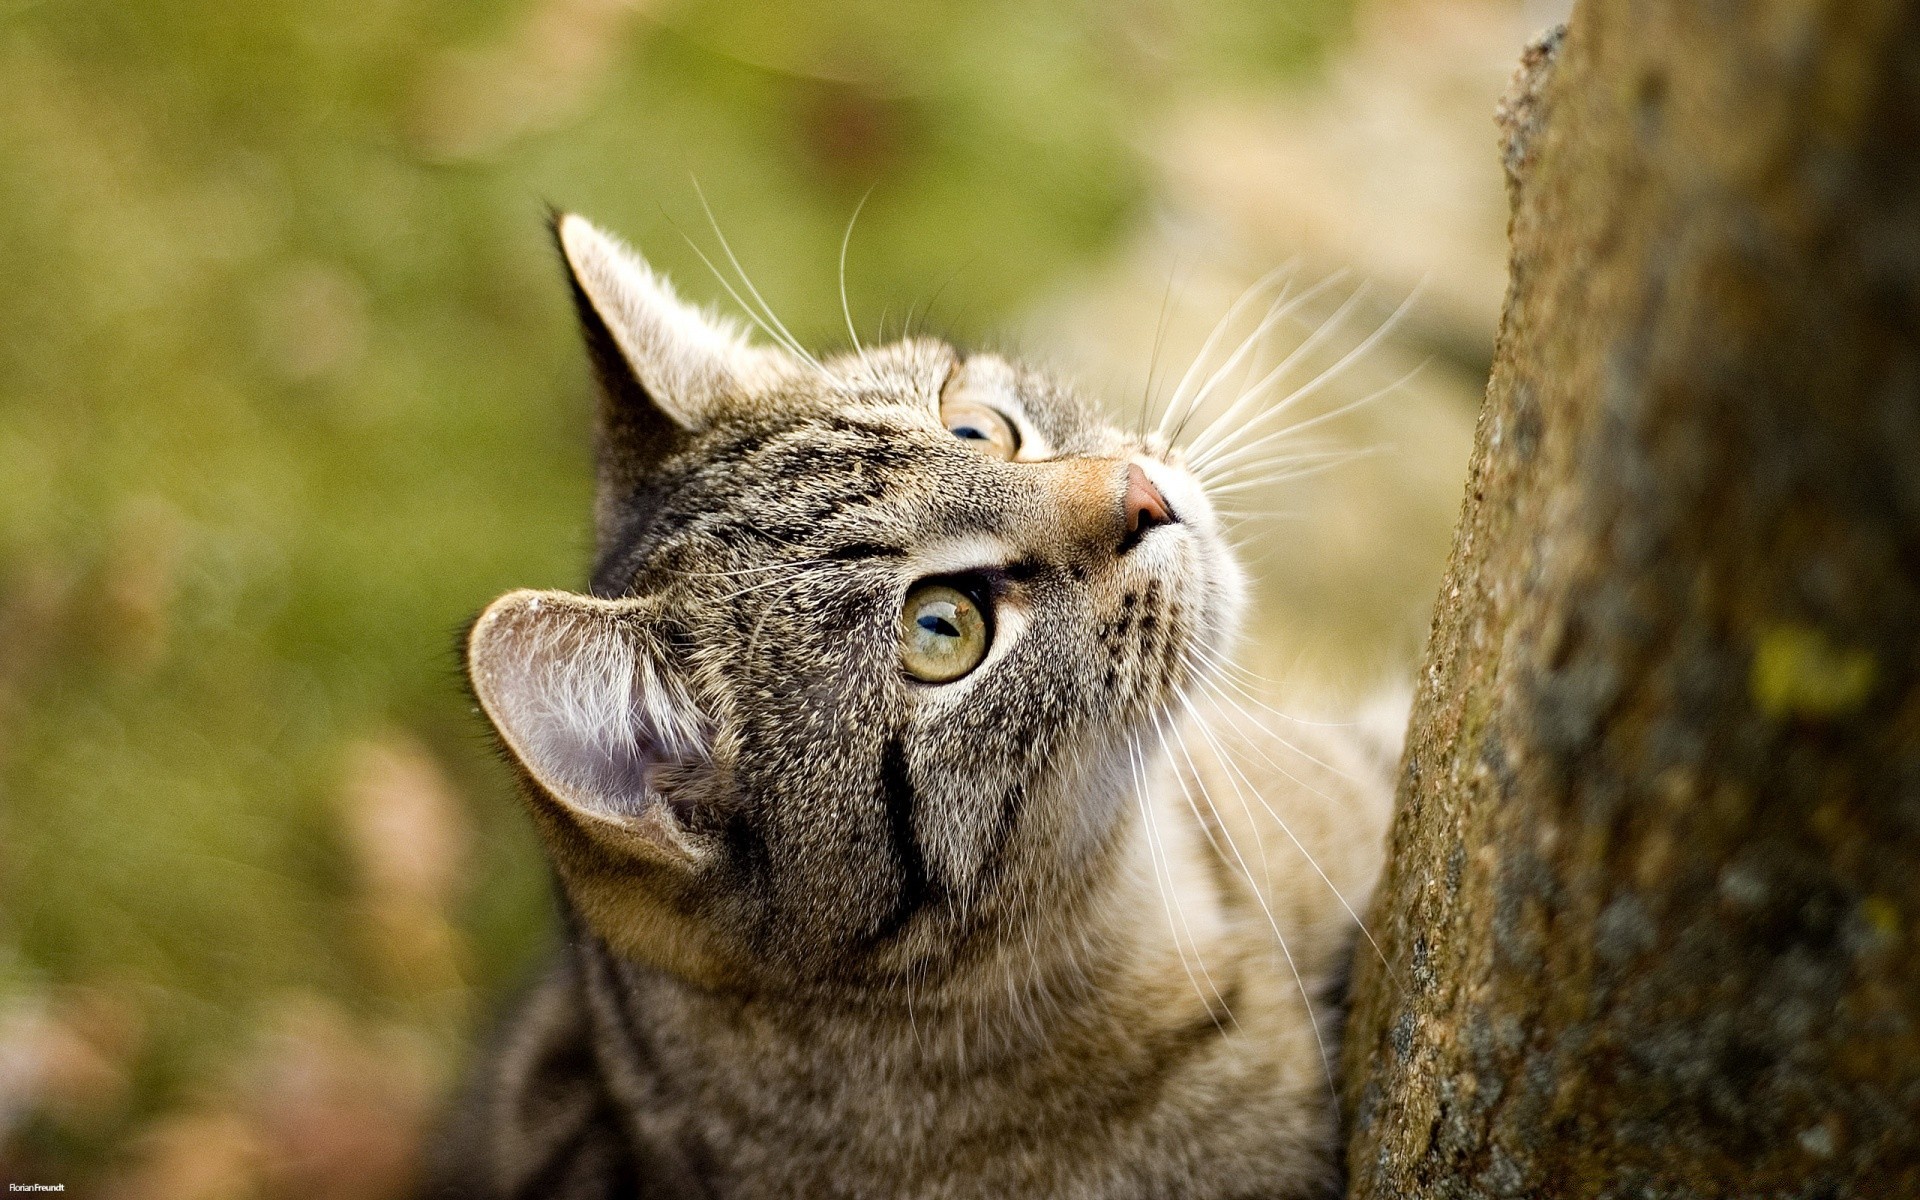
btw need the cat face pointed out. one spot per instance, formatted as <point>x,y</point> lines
<point>869,647</point>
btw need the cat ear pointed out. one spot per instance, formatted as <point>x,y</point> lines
<point>583,698</point>
<point>656,356</point>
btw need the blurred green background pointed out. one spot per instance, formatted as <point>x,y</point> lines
<point>289,388</point>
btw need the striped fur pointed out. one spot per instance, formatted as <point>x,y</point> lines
<point>1068,926</point>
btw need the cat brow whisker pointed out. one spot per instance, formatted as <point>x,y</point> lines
<point>792,348</point>
<point>753,635</point>
<point>736,573</point>
<point>926,311</point>
<point>846,310</point>
<point>1259,893</point>
<point>774,326</point>
<point>762,586</point>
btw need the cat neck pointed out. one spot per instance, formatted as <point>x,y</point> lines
<point>1144,949</point>
<point>1149,1014</point>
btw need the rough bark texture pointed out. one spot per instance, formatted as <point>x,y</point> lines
<point>1651,922</point>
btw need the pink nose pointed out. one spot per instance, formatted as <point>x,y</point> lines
<point>1145,506</point>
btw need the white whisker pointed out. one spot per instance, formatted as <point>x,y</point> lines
<point>1213,454</point>
<point>791,347</point>
<point>846,310</point>
<point>1227,761</point>
<point>774,326</point>
<point>1285,466</point>
<point>1175,402</point>
<point>1281,310</point>
<point>1283,475</point>
<point>1169,897</point>
<point>1202,449</point>
<point>1259,893</point>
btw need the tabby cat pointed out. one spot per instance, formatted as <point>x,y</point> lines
<point>913,833</point>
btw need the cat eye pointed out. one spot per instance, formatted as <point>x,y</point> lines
<point>943,633</point>
<point>978,424</point>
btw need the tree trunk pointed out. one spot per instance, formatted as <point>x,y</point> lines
<point>1651,919</point>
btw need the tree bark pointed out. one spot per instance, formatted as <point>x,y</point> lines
<point>1651,918</point>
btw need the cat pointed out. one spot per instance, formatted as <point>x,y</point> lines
<point>913,835</point>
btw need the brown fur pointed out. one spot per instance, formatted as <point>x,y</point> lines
<point>1052,929</point>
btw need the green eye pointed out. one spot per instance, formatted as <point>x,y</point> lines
<point>943,633</point>
<point>976,423</point>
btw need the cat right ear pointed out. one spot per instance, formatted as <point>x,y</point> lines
<point>660,361</point>
<point>583,698</point>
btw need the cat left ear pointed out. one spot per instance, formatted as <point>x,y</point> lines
<point>582,694</point>
<point>652,350</point>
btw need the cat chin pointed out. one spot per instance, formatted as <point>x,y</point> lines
<point>1210,576</point>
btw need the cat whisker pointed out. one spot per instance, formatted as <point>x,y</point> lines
<point>1227,450</point>
<point>1216,670</point>
<point>753,635</point>
<point>1303,448</point>
<point>1222,432</point>
<point>1284,466</point>
<point>846,310</point>
<point>1239,516</point>
<point>1249,345</point>
<point>774,326</point>
<point>1254,289</point>
<point>1248,451</point>
<point>913,1022</point>
<point>1153,360</point>
<point>735,574</point>
<point>762,585</point>
<point>1283,308</point>
<point>1154,849</point>
<point>1259,892</point>
<point>1227,761</point>
<point>1284,474</point>
<point>792,348</point>
<point>1192,940</point>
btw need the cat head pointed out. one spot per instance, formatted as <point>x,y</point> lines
<point>868,651</point>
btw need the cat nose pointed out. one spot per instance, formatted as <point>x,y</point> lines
<point>1100,506</point>
<point>1142,508</point>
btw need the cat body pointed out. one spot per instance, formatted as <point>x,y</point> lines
<point>912,837</point>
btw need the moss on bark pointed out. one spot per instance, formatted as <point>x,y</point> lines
<point>1652,909</point>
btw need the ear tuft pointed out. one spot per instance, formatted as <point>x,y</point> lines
<point>684,360</point>
<point>581,695</point>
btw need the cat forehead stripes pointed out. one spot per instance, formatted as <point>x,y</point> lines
<point>855,773</point>
<point>797,551</point>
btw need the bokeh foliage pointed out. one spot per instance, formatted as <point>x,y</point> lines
<point>288,389</point>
